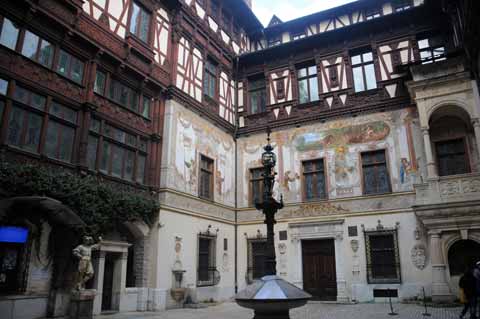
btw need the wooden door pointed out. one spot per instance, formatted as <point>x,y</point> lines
<point>319,275</point>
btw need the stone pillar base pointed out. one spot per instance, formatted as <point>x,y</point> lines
<point>81,304</point>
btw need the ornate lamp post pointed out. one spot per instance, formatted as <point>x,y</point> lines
<point>271,297</point>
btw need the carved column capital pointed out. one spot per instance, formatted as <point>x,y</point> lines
<point>476,122</point>
<point>425,130</point>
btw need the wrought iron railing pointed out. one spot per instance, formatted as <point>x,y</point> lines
<point>208,276</point>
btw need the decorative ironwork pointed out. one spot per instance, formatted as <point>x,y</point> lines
<point>383,256</point>
<point>208,276</point>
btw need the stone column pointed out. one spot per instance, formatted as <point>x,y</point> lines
<point>340,271</point>
<point>99,268</point>
<point>476,127</point>
<point>440,289</point>
<point>120,281</point>
<point>431,171</point>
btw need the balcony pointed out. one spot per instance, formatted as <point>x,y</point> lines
<point>448,189</point>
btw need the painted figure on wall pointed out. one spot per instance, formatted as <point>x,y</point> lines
<point>345,168</point>
<point>408,172</point>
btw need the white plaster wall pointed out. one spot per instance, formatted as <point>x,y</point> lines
<point>357,288</point>
<point>187,228</point>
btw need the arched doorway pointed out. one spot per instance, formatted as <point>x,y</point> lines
<point>461,255</point>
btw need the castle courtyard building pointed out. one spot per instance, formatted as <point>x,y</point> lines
<point>374,108</point>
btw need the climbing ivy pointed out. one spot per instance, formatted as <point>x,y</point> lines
<point>98,204</point>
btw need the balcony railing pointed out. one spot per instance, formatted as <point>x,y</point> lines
<point>207,277</point>
<point>448,189</point>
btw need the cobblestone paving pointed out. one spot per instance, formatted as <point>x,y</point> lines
<point>310,311</point>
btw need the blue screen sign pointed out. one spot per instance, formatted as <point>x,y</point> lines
<point>10,234</point>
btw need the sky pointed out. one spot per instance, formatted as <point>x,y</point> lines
<point>291,9</point>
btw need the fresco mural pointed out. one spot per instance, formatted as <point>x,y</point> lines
<point>193,137</point>
<point>340,143</point>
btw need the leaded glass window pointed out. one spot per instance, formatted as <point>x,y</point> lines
<point>205,189</point>
<point>118,153</point>
<point>140,22</point>
<point>256,185</point>
<point>37,49</point>
<point>258,96</point>
<point>307,84</point>
<point>452,157</point>
<point>314,180</point>
<point>363,72</point>
<point>70,67</point>
<point>376,179</point>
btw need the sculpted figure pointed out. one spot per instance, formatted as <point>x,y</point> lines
<point>84,254</point>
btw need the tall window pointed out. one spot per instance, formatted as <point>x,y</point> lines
<point>210,79</point>
<point>431,50</point>
<point>207,274</point>
<point>256,185</point>
<point>26,120</point>
<point>70,67</point>
<point>60,136</point>
<point>140,22</point>
<point>376,179</point>
<point>205,189</point>
<point>123,95</point>
<point>363,72</point>
<point>100,80</point>
<point>256,258</point>
<point>307,84</point>
<point>451,157</point>
<point>116,152</point>
<point>258,95</point>
<point>37,49</point>
<point>383,261</point>
<point>8,33</point>
<point>26,125</point>
<point>314,180</point>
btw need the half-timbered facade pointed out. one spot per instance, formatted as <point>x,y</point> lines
<point>374,108</point>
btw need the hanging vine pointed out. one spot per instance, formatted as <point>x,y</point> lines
<point>98,204</point>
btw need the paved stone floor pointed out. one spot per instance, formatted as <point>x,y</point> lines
<point>310,311</point>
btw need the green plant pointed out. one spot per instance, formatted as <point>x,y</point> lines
<point>101,206</point>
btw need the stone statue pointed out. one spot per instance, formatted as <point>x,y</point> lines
<point>84,254</point>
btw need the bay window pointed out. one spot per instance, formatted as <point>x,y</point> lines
<point>116,152</point>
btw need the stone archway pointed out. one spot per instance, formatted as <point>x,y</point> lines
<point>461,255</point>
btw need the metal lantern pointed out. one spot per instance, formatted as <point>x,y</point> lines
<point>271,296</point>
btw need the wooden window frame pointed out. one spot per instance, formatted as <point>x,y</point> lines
<point>201,170</point>
<point>401,5</point>
<point>46,117</point>
<point>114,82</point>
<point>102,137</point>
<point>19,32</point>
<point>373,13</point>
<point>137,26</point>
<point>252,180</point>
<point>36,58</point>
<point>387,167</point>
<point>363,66</point>
<point>71,60</point>
<point>261,108</point>
<point>314,173</point>
<point>464,139</point>
<point>308,77</point>
<point>433,58</point>
<point>209,74</point>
